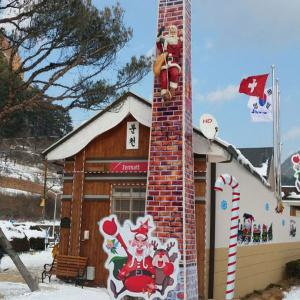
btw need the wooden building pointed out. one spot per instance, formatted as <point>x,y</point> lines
<point>105,171</point>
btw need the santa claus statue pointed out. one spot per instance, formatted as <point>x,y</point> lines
<point>167,65</point>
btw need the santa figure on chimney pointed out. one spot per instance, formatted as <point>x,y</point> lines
<point>167,65</point>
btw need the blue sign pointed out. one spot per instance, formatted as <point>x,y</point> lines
<point>267,206</point>
<point>224,204</point>
<point>283,222</point>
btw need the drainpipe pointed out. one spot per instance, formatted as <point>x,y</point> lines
<point>212,236</point>
<point>211,274</point>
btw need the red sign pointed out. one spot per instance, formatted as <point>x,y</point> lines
<point>126,166</point>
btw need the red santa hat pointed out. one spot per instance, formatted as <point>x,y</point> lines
<point>142,231</point>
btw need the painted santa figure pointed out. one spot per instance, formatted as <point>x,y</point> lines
<point>139,265</point>
<point>167,65</point>
<point>137,274</point>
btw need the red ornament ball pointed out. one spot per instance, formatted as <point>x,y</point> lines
<point>110,227</point>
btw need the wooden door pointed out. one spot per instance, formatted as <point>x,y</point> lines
<point>92,212</point>
<point>200,232</point>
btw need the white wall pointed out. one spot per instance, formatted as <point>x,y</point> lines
<point>255,198</point>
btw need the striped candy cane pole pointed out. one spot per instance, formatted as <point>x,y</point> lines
<point>232,250</point>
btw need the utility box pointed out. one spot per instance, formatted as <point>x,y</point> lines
<point>90,273</point>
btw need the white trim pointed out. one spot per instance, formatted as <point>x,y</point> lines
<point>120,178</point>
<point>96,161</point>
<point>105,122</point>
<point>183,152</point>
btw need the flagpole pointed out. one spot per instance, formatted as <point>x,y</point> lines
<point>275,156</point>
<point>278,139</point>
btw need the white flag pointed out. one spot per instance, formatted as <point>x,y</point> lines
<point>261,109</point>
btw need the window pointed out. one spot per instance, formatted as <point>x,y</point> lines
<point>295,211</point>
<point>128,202</point>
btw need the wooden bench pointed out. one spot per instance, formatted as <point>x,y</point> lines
<point>68,267</point>
<point>49,270</point>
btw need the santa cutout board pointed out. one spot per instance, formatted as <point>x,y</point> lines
<point>139,265</point>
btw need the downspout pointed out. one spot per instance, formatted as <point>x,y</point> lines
<point>212,231</point>
<point>211,268</point>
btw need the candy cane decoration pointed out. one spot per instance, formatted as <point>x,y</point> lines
<point>232,250</point>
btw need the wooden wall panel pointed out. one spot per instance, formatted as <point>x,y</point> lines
<point>76,209</point>
<point>200,239</point>
<point>257,266</point>
<point>93,212</point>
<point>97,188</point>
<point>112,144</point>
<point>68,188</point>
<point>199,165</point>
<point>200,188</point>
<point>64,232</point>
<point>69,167</point>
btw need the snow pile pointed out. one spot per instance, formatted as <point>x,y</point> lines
<point>20,231</point>
<point>30,260</point>
<point>293,294</point>
<point>53,291</point>
<point>13,192</point>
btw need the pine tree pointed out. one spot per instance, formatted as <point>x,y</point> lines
<point>69,46</point>
<point>53,121</point>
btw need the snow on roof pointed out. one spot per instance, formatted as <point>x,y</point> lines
<point>293,195</point>
<point>246,163</point>
<point>263,170</point>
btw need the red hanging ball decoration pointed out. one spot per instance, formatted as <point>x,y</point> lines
<point>110,227</point>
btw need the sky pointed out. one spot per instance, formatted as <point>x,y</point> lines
<point>231,39</point>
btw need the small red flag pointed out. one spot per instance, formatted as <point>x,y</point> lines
<point>254,85</point>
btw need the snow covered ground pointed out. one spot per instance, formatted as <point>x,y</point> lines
<point>31,260</point>
<point>52,291</point>
<point>56,290</point>
<point>293,294</point>
<point>13,169</point>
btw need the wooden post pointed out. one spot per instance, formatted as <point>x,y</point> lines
<point>45,187</point>
<point>6,246</point>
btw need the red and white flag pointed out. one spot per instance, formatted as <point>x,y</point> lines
<point>254,85</point>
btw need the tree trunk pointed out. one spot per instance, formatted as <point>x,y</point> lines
<point>6,246</point>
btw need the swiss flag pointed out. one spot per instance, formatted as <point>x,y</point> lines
<point>254,85</point>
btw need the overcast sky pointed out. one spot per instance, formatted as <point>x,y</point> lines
<point>230,40</point>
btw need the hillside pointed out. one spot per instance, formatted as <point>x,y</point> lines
<point>22,172</point>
